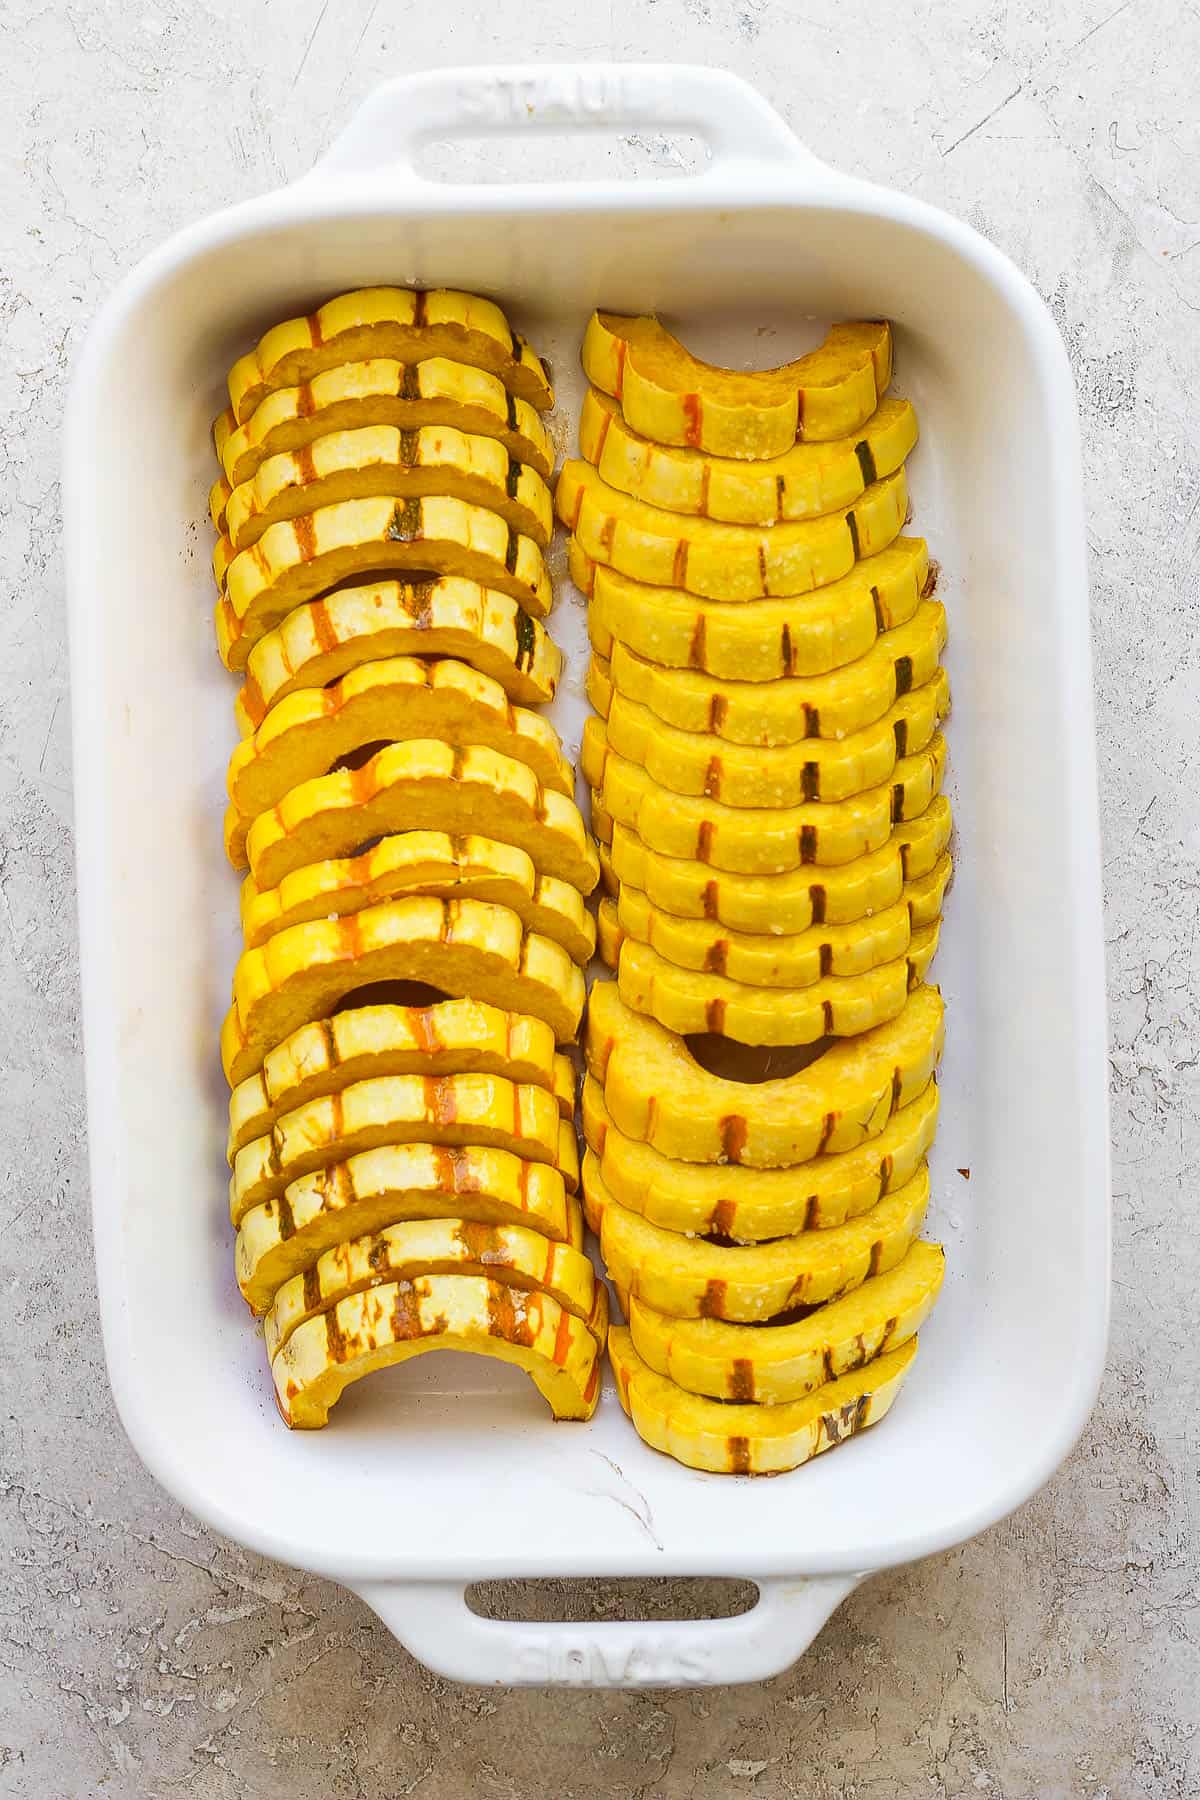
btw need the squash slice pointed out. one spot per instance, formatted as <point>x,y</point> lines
<point>402,1319</point>
<point>760,840</point>
<point>396,1109</point>
<point>671,397</point>
<point>463,947</point>
<point>834,1006</point>
<point>379,459</point>
<point>747,1206</point>
<point>509,1254</point>
<point>398,698</point>
<point>691,1278</point>
<point>381,391</point>
<point>744,775</point>
<point>657,1093</point>
<point>322,640</point>
<point>423,785</point>
<point>724,562</point>
<point>752,1440</point>
<point>409,324</point>
<point>772,1364</point>
<point>787,710</point>
<point>450,1037</point>
<point>755,640</point>
<point>298,559</point>
<point>805,482</point>
<point>791,902</point>
<point>785,960</point>
<point>284,1237</point>
<point>430,863</point>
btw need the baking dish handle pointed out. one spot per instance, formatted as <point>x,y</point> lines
<point>433,1620</point>
<point>398,117</point>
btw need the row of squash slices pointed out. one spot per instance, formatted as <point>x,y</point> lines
<point>765,760</point>
<point>402,1140</point>
<point>765,764</point>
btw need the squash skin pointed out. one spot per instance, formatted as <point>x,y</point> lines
<point>702,765</point>
<point>323,639</point>
<point>725,562</point>
<point>423,784</point>
<point>789,710</point>
<point>760,840</point>
<point>433,864</point>
<point>449,1037</point>
<point>373,392</point>
<point>383,460</point>
<point>406,323</point>
<point>691,1278</point>
<point>752,1440</point>
<point>755,640</point>
<point>463,947</point>
<point>510,1254</point>
<point>745,1205</point>
<point>670,396</point>
<point>377,1188</point>
<point>390,1324</point>
<point>658,1094</point>
<point>803,483</point>
<point>785,903</point>
<point>298,559</point>
<point>772,1364</point>
<point>688,1002</point>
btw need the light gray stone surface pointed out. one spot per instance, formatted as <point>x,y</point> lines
<point>1056,1656</point>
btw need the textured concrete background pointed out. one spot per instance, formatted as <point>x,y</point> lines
<point>1057,1656</point>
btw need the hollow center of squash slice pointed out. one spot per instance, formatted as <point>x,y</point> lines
<point>752,1063</point>
<point>392,993</point>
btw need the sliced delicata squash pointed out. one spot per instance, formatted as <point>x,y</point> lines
<point>657,1092</point>
<point>697,763</point>
<point>432,863</point>
<point>752,1440</point>
<point>783,959</point>
<point>409,324</point>
<point>692,1278</point>
<point>788,709</point>
<point>299,559</point>
<point>688,1001</point>
<point>790,902</point>
<point>772,1364</point>
<point>755,640</point>
<point>395,1109</point>
<point>671,397</point>
<point>322,640</point>
<point>805,482</point>
<point>757,840</point>
<point>448,1037</point>
<point>744,1205</point>
<point>377,1188</point>
<point>511,1254</point>
<point>463,947</point>
<point>379,459</point>
<point>424,784</point>
<point>725,562</point>
<point>402,1319</point>
<point>379,391</point>
<point>397,698</point>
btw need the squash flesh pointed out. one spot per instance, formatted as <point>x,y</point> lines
<point>377,1188</point>
<point>752,1440</point>
<point>390,1324</point>
<point>772,1364</point>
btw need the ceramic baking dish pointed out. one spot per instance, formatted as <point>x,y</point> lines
<point>450,1471</point>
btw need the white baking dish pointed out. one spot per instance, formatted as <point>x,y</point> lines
<point>449,1472</point>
